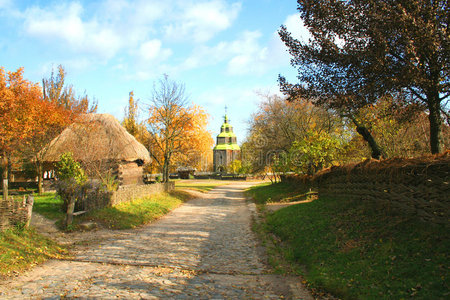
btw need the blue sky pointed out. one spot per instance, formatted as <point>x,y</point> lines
<point>225,52</point>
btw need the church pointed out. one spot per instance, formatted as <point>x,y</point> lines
<point>226,149</point>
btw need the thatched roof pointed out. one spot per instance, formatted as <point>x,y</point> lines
<point>97,137</point>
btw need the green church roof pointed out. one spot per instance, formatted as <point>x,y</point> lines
<point>226,134</point>
<point>226,131</point>
<point>227,147</point>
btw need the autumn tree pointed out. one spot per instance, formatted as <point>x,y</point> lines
<point>130,121</point>
<point>195,149</point>
<point>57,91</point>
<point>398,134</point>
<point>60,107</point>
<point>19,105</point>
<point>360,51</point>
<point>168,117</point>
<point>278,125</point>
<point>48,123</point>
<point>131,114</point>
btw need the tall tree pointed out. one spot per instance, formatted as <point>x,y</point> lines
<point>361,50</point>
<point>19,105</point>
<point>49,121</point>
<point>60,107</point>
<point>195,148</point>
<point>168,116</point>
<point>56,91</point>
<point>130,121</point>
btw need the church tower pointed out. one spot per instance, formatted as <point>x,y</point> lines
<point>226,149</point>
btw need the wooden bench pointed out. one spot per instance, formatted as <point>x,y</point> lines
<point>77,213</point>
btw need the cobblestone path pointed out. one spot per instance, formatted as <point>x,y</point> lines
<point>204,249</point>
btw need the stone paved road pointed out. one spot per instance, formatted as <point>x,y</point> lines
<point>204,249</point>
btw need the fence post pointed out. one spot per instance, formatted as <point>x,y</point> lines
<point>5,189</point>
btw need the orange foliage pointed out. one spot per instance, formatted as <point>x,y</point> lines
<point>190,144</point>
<point>19,108</point>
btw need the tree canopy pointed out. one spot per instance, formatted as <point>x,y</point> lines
<point>176,131</point>
<point>362,50</point>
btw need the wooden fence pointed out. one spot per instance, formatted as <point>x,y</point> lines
<point>417,186</point>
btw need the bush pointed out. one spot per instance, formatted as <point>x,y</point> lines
<point>71,178</point>
<point>67,169</point>
<point>109,181</point>
<point>69,190</point>
<point>88,195</point>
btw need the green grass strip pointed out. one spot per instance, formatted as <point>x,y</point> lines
<point>137,212</point>
<point>21,249</point>
<point>361,250</point>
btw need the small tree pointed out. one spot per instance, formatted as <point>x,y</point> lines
<point>316,151</point>
<point>71,177</point>
<point>235,166</point>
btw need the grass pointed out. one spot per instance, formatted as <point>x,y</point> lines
<point>204,185</point>
<point>48,205</point>
<point>122,216</point>
<point>267,192</point>
<point>138,212</point>
<point>21,249</point>
<point>358,250</point>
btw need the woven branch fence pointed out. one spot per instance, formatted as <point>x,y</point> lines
<point>417,186</point>
<point>15,212</point>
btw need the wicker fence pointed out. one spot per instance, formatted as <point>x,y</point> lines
<point>14,212</point>
<point>411,186</point>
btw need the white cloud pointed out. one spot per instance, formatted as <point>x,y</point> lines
<point>295,26</point>
<point>64,22</point>
<point>201,21</point>
<point>64,25</point>
<point>152,50</point>
<point>75,64</point>
<point>256,58</point>
<point>249,53</point>
<point>239,50</point>
<point>114,27</point>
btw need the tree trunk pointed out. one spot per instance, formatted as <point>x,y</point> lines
<point>5,176</point>
<point>165,170</point>
<point>9,168</point>
<point>377,153</point>
<point>69,213</point>
<point>40,179</point>
<point>435,122</point>
<point>367,136</point>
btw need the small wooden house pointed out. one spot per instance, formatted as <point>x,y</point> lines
<point>103,147</point>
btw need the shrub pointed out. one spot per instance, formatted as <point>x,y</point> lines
<point>109,181</point>
<point>71,178</point>
<point>67,168</point>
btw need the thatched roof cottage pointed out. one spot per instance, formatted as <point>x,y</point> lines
<point>102,145</point>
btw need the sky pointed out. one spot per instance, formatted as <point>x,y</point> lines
<point>225,52</point>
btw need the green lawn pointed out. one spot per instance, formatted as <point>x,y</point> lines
<point>357,250</point>
<point>267,192</point>
<point>202,185</point>
<point>138,212</point>
<point>122,216</point>
<point>48,205</point>
<point>22,249</point>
